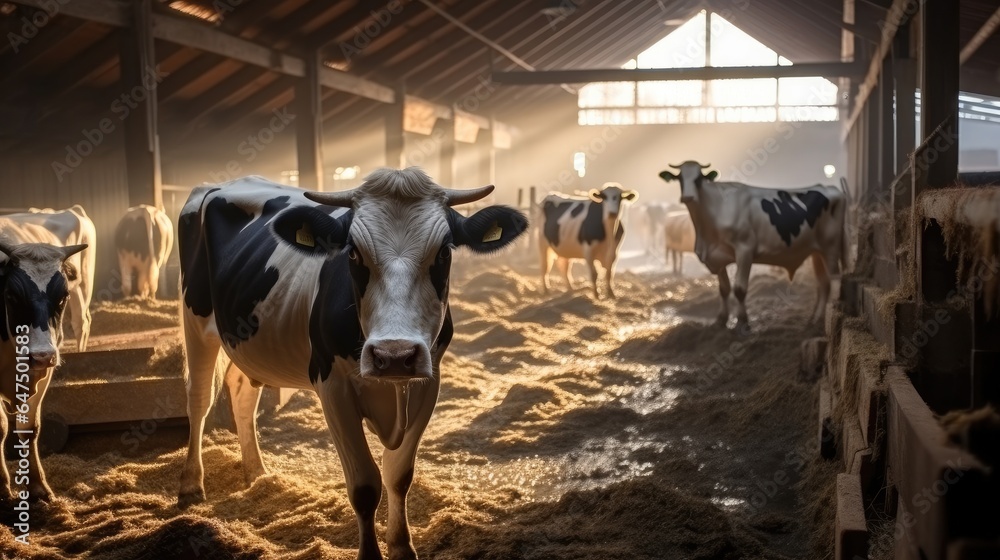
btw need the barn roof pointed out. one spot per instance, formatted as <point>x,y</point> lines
<point>70,67</point>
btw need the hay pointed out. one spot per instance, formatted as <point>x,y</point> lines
<point>566,428</point>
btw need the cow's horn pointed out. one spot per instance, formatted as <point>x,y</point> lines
<point>674,166</point>
<point>70,250</point>
<point>456,197</point>
<point>706,166</point>
<point>343,199</point>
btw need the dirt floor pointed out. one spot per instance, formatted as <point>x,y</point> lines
<point>567,428</point>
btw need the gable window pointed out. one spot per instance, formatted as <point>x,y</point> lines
<point>715,101</point>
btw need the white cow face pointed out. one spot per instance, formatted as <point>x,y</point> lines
<point>690,175</point>
<point>35,283</point>
<point>611,197</point>
<point>398,243</point>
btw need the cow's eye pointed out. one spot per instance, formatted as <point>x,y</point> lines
<point>353,254</point>
<point>444,254</point>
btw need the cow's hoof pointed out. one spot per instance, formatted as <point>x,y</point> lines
<point>40,493</point>
<point>402,553</point>
<point>720,322</point>
<point>188,499</point>
<point>743,328</point>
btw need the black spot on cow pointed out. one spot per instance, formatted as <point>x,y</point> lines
<point>334,329</point>
<point>592,228</point>
<point>447,332</point>
<point>787,215</point>
<point>26,304</point>
<point>131,236</point>
<point>441,270</point>
<point>239,251</point>
<point>576,210</point>
<point>194,263</point>
<point>552,212</point>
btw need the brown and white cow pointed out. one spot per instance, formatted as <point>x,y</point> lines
<point>143,238</point>
<point>36,280</point>
<point>746,225</point>
<point>342,293</point>
<point>583,228</point>
<point>71,226</point>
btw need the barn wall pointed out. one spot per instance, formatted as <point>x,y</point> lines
<point>765,154</point>
<point>98,184</point>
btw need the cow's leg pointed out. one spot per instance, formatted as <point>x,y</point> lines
<point>744,260</point>
<point>5,490</point>
<point>563,264</point>
<point>679,261</point>
<point>125,269</point>
<point>588,256</point>
<point>142,280</point>
<point>245,398</point>
<point>79,318</point>
<point>364,485</point>
<point>398,468</point>
<point>546,254</point>
<point>724,288</point>
<point>822,287</point>
<point>609,274</point>
<point>202,384</point>
<point>38,487</point>
<point>153,278</point>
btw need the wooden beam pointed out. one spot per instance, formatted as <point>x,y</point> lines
<point>243,78</point>
<point>264,98</point>
<point>555,77</point>
<point>904,69</point>
<point>309,126</point>
<point>939,87</point>
<point>48,37</point>
<point>394,139</point>
<point>984,33</point>
<point>899,12</point>
<point>142,144</point>
<point>177,81</point>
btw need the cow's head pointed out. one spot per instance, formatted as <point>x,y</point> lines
<point>35,280</point>
<point>399,237</point>
<point>690,175</point>
<point>611,197</point>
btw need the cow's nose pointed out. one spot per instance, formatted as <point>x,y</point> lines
<point>394,358</point>
<point>41,359</point>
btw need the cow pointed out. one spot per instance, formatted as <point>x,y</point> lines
<point>678,238</point>
<point>71,226</point>
<point>743,224</point>
<point>344,293</point>
<point>143,239</point>
<point>37,275</point>
<point>583,228</point>
<point>648,220</point>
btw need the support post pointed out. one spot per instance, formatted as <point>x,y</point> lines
<point>394,139</point>
<point>904,69</point>
<point>445,129</point>
<point>309,125</point>
<point>139,79</point>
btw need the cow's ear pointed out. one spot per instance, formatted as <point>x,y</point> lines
<point>596,195</point>
<point>70,272</point>
<point>488,230</point>
<point>630,195</point>
<point>313,231</point>
<point>711,175</point>
<point>668,176</point>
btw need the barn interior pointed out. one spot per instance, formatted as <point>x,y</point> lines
<point>574,427</point>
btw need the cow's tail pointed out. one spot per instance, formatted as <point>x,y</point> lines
<point>845,234</point>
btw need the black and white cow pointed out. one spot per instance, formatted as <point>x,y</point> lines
<point>743,224</point>
<point>71,226</point>
<point>143,238</point>
<point>583,228</point>
<point>348,297</point>
<point>36,276</point>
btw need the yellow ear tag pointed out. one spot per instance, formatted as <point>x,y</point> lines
<point>305,237</point>
<point>493,234</point>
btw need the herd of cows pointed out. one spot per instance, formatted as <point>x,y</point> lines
<point>347,294</point>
